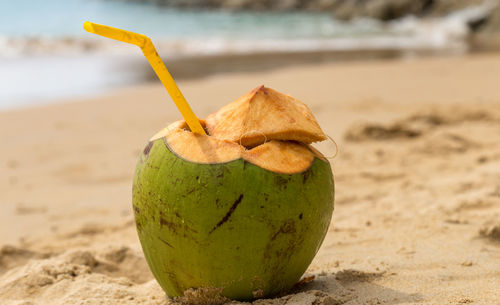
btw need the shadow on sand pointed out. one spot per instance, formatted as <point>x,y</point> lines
<point>349,287</point>
<point>352,287</point>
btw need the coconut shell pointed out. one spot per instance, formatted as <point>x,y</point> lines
<point>232,228</point>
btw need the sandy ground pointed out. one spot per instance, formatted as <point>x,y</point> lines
<point>417,211</point>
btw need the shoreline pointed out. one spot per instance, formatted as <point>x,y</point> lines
<point>188,69</point>
<point>132,69</point>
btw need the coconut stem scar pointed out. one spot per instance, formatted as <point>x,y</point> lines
<point>156,63</point>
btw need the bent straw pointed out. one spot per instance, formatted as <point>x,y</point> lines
<point>156,63</point>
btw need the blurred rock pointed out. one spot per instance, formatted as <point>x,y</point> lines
<point>384,10</point>
<point>492,24</point>
<point>445,7</point>
<point>393,9</point>
<point>322,5</point>
<point>379,9</point>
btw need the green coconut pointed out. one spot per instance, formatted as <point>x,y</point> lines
<point>242,220</point>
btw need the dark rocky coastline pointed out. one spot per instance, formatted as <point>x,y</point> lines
<point>344,9</point>
<point>384,10</point>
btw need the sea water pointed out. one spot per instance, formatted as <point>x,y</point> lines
<point>46,55</point>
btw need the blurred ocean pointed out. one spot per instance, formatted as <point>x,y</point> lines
<point>45,54</point>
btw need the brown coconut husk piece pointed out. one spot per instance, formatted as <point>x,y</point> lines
<point>263,115</point>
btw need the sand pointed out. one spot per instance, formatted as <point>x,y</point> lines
<point>417,212</point>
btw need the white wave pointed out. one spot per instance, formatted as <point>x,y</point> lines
<point>450,31</point>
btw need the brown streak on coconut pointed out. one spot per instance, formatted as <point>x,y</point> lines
<point>228,214</point>
<point>136,209</point>
<point>174,226</point>
<point>166,243</point>
<point>147,149</point>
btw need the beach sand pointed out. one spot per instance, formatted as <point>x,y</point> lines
<point>417,209</point>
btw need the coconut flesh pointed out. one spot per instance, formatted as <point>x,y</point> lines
<point>240,211</point>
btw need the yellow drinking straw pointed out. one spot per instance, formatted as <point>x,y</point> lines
<point>156,63</point>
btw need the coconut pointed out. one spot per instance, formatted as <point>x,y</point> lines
<point>240,211</point>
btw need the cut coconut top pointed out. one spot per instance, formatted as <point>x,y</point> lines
<point>278,156</point>
<point>277,128</point>
<point>262,115</point>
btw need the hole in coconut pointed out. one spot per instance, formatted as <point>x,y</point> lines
<point>185,127</point>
